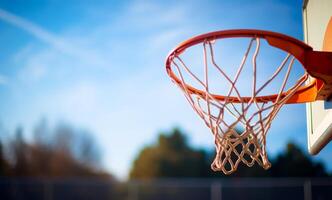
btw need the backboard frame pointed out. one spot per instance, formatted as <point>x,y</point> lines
<point>316,19</point>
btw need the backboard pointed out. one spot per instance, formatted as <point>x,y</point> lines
<point>317,15</point>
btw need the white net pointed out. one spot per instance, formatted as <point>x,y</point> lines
<point>239,123</point>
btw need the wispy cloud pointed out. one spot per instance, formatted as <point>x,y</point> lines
<point>53,40</point>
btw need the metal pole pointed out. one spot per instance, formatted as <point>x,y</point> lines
<point>133,190</point>
<point>307,190</point>
<point>216,191</point>
<point>48,192</point>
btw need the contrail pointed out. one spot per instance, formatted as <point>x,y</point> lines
<point>46,36</point>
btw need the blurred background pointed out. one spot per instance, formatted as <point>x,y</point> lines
<point>87,110</point>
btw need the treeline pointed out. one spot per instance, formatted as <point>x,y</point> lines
<point>64,151</point>
<point>172,156</point>
<point>59,152</point>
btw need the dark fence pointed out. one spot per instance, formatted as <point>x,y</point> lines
<point>166,189</point>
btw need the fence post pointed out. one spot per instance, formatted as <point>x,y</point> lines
<point>216,191</point>
<point>307,190</point>
<point>48,190</point>
<point>133,190</point>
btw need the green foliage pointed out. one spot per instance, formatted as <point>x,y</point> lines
<point>170,157</point>
<point>295,163</point>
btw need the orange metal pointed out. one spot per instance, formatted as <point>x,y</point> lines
<point>317,64</point>
<point>327,44</point>
<point>325,92</point>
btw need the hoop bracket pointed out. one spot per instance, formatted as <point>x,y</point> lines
<point>319,65</point>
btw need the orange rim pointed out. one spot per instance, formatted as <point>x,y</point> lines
<point>297,48</point>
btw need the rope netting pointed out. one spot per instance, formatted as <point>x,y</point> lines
<point>239,126</point>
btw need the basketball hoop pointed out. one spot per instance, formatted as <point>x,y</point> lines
<point>224,112</point>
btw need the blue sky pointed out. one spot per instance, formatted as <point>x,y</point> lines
<point>100,66</point>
